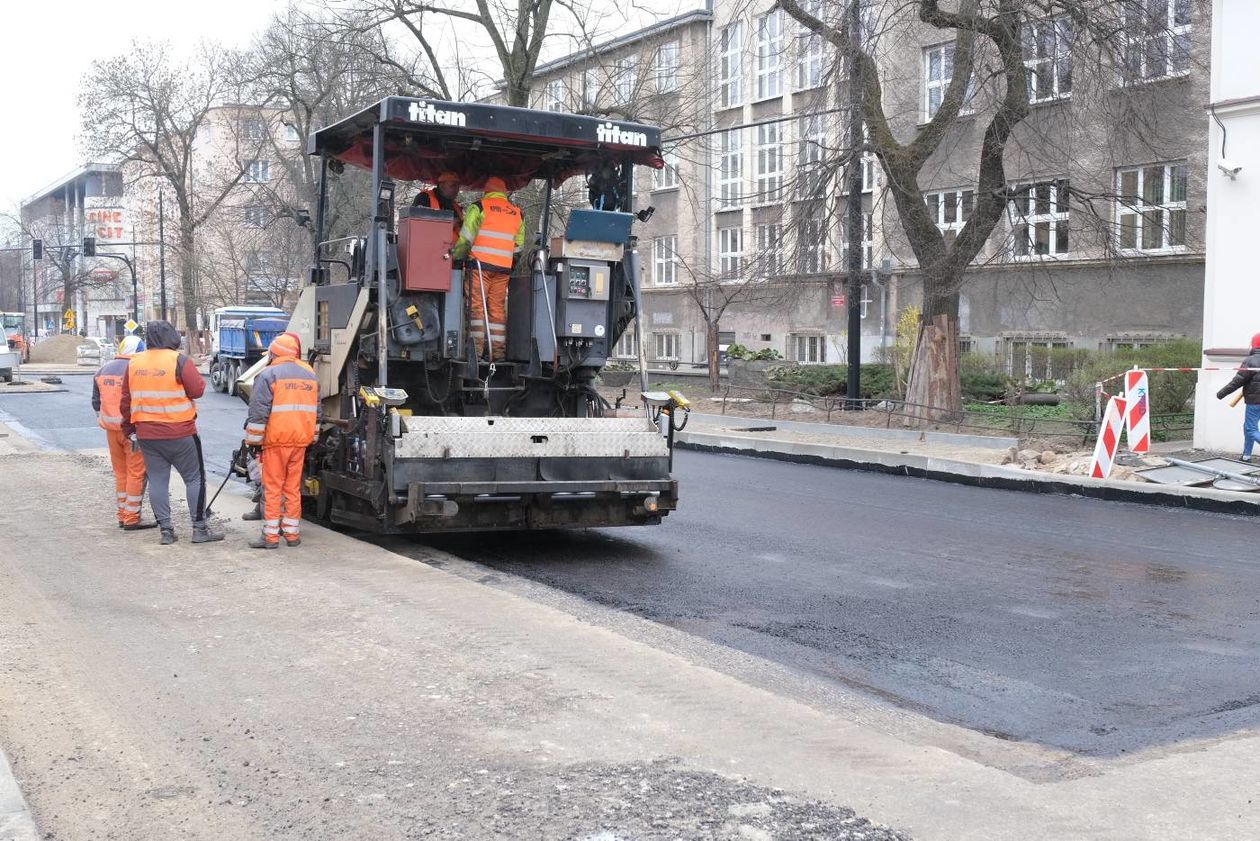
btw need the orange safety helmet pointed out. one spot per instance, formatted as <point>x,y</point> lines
<point>1255,341</point>
<point>286,344</point>
<point>494,184</point>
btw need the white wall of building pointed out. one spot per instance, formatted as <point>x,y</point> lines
<point>1230,312</point>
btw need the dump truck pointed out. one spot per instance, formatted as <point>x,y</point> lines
<point>12,343</point>
<point>422,435</point>
<point>238,339</point>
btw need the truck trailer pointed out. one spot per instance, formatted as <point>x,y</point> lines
<point>238,339</point>
<point>422,435</point>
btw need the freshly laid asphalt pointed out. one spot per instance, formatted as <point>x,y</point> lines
<point>1097,627</point>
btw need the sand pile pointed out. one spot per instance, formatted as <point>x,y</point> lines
<point>61,349</point>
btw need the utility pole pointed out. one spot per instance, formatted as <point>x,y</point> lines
<point>853,214</point>
<point>162,252</point>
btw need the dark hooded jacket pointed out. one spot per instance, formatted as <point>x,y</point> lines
<point>1245,379</point>
<point>161,335</point>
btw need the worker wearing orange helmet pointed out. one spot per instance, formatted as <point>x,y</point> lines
<point>443,196</point>
<point>492,235</point>
<point>284,415</point>
<point>127,461</point>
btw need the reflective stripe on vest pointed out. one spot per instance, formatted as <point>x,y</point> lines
<point>156,394</point>
<point>294,405</point>
<point>496,239</point>
<point>109,386</point>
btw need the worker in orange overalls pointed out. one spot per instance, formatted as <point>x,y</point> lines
<point>492,235</point>
<point>443,196</point>
<point>127,461</point>
<point>284,415</point>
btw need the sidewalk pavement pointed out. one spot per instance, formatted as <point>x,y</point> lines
<point>960,459</point>
<point>339,690</point>
<point>16,823</point>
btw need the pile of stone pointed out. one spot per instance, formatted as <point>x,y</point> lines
<point>62,349</point>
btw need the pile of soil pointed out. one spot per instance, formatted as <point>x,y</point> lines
<point>61,349</point>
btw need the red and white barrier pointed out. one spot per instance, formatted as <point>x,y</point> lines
<point>1137,420</point>
<point>1108,439</point>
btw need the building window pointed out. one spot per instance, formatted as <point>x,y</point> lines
<point>811,168</point>
<point>1151,210</point>
<point>667,67</point>
<point>667,345</point>
<point>769,163</point>
<point>257,172</point>
<point>731,66</point>
<point>253,130</point>
<point>1039,219</point>
<point>867,163</point>
<point>868,241</point>
<point>731,168</point>
<point>1157,39</point>
<point>938,69</point>
<point>556,95</point>
<point>770,249</point>
<point>627,346</point>
<point>730,251</point>
<point>807,349</point>
<point>665,261</point>
<point>291,133</point>
<point>257,216</point>
<point>590,88</point>
<point>258,263</point>
<point>626,72</point>
<point>770,54</point>
<point>1048,57</point>
<point>951,210</point>
<point>1035,358</point>
<point>667,176</point>
<point>810,57</point>
<point>812,243</point>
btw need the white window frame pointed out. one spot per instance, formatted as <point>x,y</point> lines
<point>665,261</point>
<point>730,251</point>
<point>941,84</point>
<point>730,168</point>
<point>591,85</point>
<point>769,242</point>
<point>1048,55</point>
<point>666,178</point>
<point>770,54</point>
<point>1051,216</point>
<point>258,263</point>
<point>807,348</point>
<point>868,241</point>
<point>1148,200</point>
<point>811,155</point>
<point>951,221</point>
<point>731,65</point>
<point>626,77</point>
<point>769,163</point>
<point>667,64</point>
<point>813,242</point>
<point>1027,344</point>
<point>256,216</point>
<point>811,53</point>
<point>291,133</point>
<point>668,346</point>
<point>627,346</point>
<point>1145,39</point>
<point>253,129</point>
<point>556,95</point>
<point>257,171</point>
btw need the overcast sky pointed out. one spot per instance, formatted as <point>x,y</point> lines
<point>47,45</point>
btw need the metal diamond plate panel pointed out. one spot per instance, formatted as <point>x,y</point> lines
<point>529,438</point>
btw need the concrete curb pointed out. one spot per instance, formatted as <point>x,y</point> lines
<point>16,823</point>
<point>970,473</point>
<point>988,442</point>
<point>53,390</point>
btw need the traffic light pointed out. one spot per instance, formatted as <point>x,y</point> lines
<point>37,249</point>
<point>89,246</point>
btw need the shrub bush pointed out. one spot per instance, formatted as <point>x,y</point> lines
<point>878,380</point>
<point>984,386</point>
<point>1170,391</point>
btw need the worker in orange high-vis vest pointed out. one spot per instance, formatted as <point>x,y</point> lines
<point>127,461</point>
<point>492,235</point>
<point>443,196</point>
<point>284,414</point>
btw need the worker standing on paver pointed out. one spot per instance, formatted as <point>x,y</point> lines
<point>128,464</point>
<point>284,414</point>
<point>160,418</point>
<point>443,196</point>
<point>492,235</point>
<point>1246,380</point>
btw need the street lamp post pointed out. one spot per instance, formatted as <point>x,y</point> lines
<point>162,252</point>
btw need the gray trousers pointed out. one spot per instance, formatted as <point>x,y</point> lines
<point>183,454</point>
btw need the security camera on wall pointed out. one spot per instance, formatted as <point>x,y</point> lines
<point>1228,167</point>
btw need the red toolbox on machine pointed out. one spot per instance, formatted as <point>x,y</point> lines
<point>425,238</point>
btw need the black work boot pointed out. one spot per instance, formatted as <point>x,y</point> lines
<point>168,536</point>
<point>202,534</point>
<point>263,543</point>
<point>253,514</point>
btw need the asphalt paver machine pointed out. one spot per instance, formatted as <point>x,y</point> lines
<point>428,436</point>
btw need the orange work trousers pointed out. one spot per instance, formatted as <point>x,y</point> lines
<point>128,476</point>
<point>487,295</point>
<point>282,492</point>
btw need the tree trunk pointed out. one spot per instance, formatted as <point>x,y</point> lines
<point>934,393</point>
<point>187,285</point>
<point>712,352</point>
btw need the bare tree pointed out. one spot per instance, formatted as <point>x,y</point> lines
<point>989,86</point>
